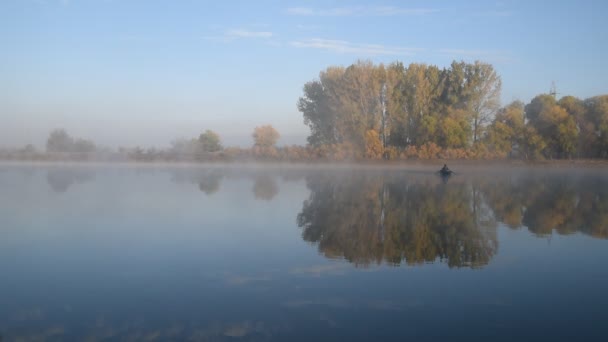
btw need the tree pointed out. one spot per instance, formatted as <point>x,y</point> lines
<point>417,105</point>
<point>577,110</point>
<point>554,125</point>
<point>559,130</point>
<point>265,136</point>
<point>210,141</point>
<point>484,95</point>
<point>597,115</point>
<point>454,129</point>
<point>314,105</point>
<point>507,129</point>
<point>421,90</point>
<point>373,145</point>
<point>537,105</point>
<point>59,141</point>
<point>83,146</point>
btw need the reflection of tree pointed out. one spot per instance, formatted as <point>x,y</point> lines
<point>61,179</point>
<point>265,188</point>
<point>551,206</point>
<point>208,180</point>
<point>366,219</point>
<point>210,183</point>
<point>507,200</point>
<point>563,203</point>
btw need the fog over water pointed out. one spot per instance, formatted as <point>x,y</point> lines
<point>302,252</point>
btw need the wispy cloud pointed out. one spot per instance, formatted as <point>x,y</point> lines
<point>488,55</point>
<point>307,27</point>
<point>234,34</point>
<point>248,34</point>
<point>359,11</point>
<point>341,46</point>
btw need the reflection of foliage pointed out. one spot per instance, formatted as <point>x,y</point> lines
<point>265,188</point>
<point>367,219</point>
<point>564,204</point>
<point>210,184</point>
<point>208,181</point>
<point>61,179</point>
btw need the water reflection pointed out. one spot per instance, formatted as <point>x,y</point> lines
<point>208,180</point>
<point>265,187</point>
<point>415,219</point>
<point>560,203</point>
<point>152,263</point>
<point>373,219</point>
<point>60,180</point>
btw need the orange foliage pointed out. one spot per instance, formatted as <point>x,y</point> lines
<point>429,150</point>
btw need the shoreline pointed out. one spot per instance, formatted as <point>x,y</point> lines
<point>399,164</point>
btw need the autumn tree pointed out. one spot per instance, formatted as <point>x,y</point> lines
<point>554,124</point>
<point>422,107</point>
<point>507,129</point>
<point>484,95</point>
<point>265,136</point>
<point>418,92</point>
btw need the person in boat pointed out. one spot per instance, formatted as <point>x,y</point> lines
<point>445,169</point>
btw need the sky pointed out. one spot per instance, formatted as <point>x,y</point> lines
<point>145,72</point>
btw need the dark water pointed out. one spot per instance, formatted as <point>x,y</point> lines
<point>214,254</point>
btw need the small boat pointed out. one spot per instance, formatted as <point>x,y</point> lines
<point>445,171</point>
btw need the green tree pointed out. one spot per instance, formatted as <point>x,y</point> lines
<point>83,146</point>
<point>59,141</point>
<point>209,141</point>
<point>314,105</point>
<point>597,115</point>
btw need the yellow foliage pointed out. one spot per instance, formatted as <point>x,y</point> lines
<point>373,145</point>
<point>392,152</point>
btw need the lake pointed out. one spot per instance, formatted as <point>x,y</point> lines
<point>116,252</point>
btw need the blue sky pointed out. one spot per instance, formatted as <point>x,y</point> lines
<point>143,72</point>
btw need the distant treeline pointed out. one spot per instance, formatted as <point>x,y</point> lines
<point>372,111</point>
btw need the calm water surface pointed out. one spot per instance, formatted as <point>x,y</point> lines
<point>267,254</point>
